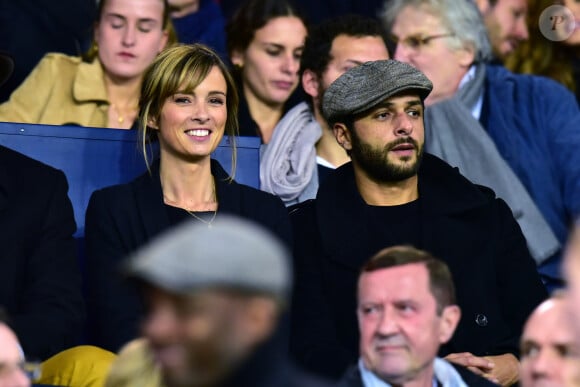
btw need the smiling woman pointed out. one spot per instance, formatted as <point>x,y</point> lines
<point>102,88</point>
<point>188,101</point>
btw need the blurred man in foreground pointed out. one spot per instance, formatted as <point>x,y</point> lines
<point>214,295</point>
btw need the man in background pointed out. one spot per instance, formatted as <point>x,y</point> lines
<point>406,310</point>
<point>331,48</point>
<point>550,352</point>
<point>506,23</point>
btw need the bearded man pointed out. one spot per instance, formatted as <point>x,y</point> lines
<point>392,193</point>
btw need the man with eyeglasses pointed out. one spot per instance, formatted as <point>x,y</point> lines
<point>517,134</point>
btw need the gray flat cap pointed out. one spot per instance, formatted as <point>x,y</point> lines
<point>363,87</point>
<point>234,253</point>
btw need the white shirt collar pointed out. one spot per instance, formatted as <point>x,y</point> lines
<point>442,370</point>
<point>476,109</point>
<point>369,379</point>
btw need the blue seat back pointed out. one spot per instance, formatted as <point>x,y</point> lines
<point>93,158</point>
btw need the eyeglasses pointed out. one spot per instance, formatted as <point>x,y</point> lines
<point>417,42</point>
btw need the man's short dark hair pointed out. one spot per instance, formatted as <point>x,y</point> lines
<point>316,53</point>
<point>440,279</point>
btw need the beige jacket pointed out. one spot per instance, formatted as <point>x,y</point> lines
<point>60,90</point>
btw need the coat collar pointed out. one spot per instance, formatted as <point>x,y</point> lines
<point>85,87</point>
<point>442,190</point>
<point>342,214</point>
<point>149,197</point>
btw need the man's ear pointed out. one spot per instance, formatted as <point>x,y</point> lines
<point>237,58</point>
<point>310,83</point>
<point>261,319</point>
<point>449,319</point>
<point>342,135</point>
<point>466,56</point>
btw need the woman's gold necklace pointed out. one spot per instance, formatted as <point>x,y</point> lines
<point>120,117</point>
<point>208,222</point>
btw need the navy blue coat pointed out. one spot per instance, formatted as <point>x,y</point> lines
<point>535,125</point>
<point>496,281</point>
<point>40,281</point>
<point>122,218</point>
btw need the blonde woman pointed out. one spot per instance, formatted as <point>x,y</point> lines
<point>188,102</point>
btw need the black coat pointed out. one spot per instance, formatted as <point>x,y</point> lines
<point>496,281</point>
<point>122,218</point>
<point>40,282</point>
<point>268,366</point>
<point>352,378</point>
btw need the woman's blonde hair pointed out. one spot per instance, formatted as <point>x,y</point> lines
<point>134,367</point>
<point>181,69</point>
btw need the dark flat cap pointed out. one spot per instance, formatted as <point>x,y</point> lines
<point>363,87</point>
<point>6,67</point>
<point>233,253</point>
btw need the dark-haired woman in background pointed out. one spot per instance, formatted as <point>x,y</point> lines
<point>265,40</point>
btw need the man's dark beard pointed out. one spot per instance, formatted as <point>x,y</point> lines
<point>375,162</point>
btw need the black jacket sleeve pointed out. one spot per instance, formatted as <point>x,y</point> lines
<point>48,315</point>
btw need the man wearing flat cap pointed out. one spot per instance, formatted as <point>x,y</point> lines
<point>392,193</point>
<point>214,298</point>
